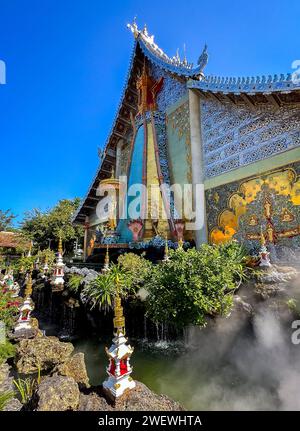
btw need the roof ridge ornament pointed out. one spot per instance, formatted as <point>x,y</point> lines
<point>203,59</point>
<point>179,66</point>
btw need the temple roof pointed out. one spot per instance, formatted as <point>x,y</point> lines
<point>13,240</point>
<point>277,90</point>
<point>173,64</point>
<point>250,85</point>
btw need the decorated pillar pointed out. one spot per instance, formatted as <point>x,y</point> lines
<point>85,241</point>
<point>45,268</point>
<point>58,273</point>
<point>119,369</point>
<point>24,320</point>
<point>197,163</point>
<point>106,261</point>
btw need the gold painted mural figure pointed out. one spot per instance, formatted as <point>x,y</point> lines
<point>283,182</point>
<point>286,215</point>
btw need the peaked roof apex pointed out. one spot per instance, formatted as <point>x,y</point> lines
<point>173,64</point>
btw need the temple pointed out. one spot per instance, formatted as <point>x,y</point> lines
<point>238,137</point>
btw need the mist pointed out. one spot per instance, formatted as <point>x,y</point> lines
<point>240,362</point>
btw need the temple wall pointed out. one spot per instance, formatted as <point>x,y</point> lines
<point>238,136</point>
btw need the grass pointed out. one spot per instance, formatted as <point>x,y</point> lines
<point>5,397</point>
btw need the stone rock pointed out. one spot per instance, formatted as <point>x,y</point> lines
<point>139,399</point>
<point>268,290</point>
<point>23,334</point>
<point>43,352</point>
<point>74,367</point>
<point>12,405</point>
<point>143,399</point>
<point>241,306</point>
<point>277,274</point>
<point>6,381</point>
<point>93,403</point>
<point>57,393</point>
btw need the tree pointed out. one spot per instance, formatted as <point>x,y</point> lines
<point>44,228</point>
<point>6,218</point>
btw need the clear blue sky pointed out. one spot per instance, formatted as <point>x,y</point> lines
<point>66,64</point>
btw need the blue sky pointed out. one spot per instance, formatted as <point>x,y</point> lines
<point>66,64</point>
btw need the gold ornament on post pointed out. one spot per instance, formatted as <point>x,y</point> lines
<point>119,319</point>
<point>60,247</point>
<point>180,244</point>
<point>28,289</point>
<point>262,237</point>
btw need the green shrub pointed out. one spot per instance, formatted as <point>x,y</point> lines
<point>7,350</point>
<point>8,309</point>
<point>135,268</point>
<point>195,284</point>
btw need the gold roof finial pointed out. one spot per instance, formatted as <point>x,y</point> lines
<point>60,247</point>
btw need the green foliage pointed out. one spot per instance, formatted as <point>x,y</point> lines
<point>293,305</point>
<point>49,225</point>
<point>6,218</point>
<point>103,289</point>
<point>5,397</point>
<point>8,309</point>
<point>135,268</point>
<point>24,262</point>
<point>195,284</point>
<point>74,282</point>
<point>46,254</point>
<point>26,388</point>
<point>7,350</point>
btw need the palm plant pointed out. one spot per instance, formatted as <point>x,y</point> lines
<point>74,282</point>
<point>101,291</point>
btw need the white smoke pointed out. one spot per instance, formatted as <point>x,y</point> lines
<point>234,365</point>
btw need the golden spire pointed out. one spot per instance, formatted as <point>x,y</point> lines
<point>60,247</point>
<point>119,319</point>
<point>262,237</point>
<point>28,289</point>
<point>106,261</point>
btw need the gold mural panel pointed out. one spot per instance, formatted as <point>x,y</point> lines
<point>284,183</point>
